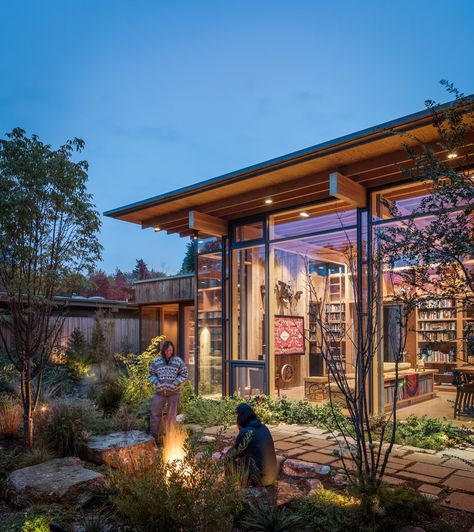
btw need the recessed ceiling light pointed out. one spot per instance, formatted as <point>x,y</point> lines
<point>304,214</point>
<point>157,229</point>
<point>268,201</point>
<point>452,155</point>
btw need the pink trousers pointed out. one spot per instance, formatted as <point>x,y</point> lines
<point>156,417</point>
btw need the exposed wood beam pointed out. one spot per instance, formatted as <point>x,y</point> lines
<point>345,189</point>
<point>205,223</point>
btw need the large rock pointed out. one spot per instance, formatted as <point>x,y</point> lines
<point>299,468</point>
<point>120,449</point>
<point>62,480</point>
<point>286,492</point>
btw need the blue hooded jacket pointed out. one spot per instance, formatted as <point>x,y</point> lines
<point>260,448</point>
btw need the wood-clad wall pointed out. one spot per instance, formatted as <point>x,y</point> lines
<point>165,290</point>
<point>119,331</point>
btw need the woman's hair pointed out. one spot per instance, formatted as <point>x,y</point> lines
<point>245,414</point>
<point>164,347</point>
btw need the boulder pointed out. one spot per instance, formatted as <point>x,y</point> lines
<point>286,492</point>
<point>121,448</point>
<point>299,468</point>
<point>62,480</point>
<point>313,485</point>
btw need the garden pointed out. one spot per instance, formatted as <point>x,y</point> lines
<point>85,397</point>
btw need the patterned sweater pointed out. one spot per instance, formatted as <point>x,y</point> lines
<point>167,376</point>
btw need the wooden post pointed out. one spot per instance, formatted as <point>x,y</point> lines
<point>345,189</point>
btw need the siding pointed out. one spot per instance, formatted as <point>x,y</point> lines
<point>166,290</point>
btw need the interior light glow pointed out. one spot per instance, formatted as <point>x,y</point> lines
<point>304,214</point>
<point>268,201</point>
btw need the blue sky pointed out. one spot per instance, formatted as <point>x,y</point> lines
<point>166,94</point>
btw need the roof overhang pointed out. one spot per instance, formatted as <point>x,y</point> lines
<point>363,160</point>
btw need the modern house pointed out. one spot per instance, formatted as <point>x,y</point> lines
<point>259,231</point>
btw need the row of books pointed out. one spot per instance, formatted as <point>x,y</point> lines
<point>440,356</point>
<point>436,314</point>
<point>438,303</point>
<point>437,336</point>
<point>438,326</point>
<point>336,316</point>
<point>335,307</point>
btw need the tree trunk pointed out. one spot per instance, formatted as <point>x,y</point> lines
<point>27,404</point>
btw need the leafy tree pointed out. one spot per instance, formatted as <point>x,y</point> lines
<point>188,260</point>
<point>437,252</point>
<point>141,271</point>
<point>48,232</point>
<point>99,285</point>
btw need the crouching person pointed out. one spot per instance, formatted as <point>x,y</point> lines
<point>254,449</point>
<point>167,373</point>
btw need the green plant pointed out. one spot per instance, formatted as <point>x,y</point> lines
<point>326,510</point>
<point>428,433</point>
<point>127,420</point>
<point>187,395</point>
<point>34,456</point>
<point>259,516</point>
<point>134,381</point>
<point>398,506</point>
<point>182,495</point>
<point>67,424</point>
<point>109,397</point>
<point>11,415</point>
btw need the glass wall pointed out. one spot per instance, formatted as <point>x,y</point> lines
<point>313,307</point>
<point>248,303</point>
<point>209,317</point>
<point>189,339</point>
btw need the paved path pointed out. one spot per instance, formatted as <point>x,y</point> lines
<point>444,474</point>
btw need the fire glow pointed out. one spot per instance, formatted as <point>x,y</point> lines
<point>173,445</point>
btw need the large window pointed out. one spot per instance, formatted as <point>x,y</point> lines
<point>209,320</point>
<point>312,277</point>
<point>248,303</point>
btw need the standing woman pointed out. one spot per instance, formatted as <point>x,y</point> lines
<point>167,373</point>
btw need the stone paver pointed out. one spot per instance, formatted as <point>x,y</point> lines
<point>430,470</point>
<point>433,459</point>
<point>298,438</point>
<point>394,481</point>
<point>318,443</point>
<point>460,501</point>
<point>291,453</point>
<point>422,478</point>
<point>318,458</point>
<point>284,445</point>
<point>461,483</point>
<point>429,488</point>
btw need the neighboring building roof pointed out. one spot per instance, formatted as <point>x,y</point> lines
<point>167,278</point>
<point>370,157</point>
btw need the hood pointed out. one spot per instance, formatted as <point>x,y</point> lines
<point>246,415</point>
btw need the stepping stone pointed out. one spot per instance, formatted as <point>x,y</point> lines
<point>302,469</point>
<point>314,485</point>
<point>286,445</point>
<point>430,470</point>
<point>460,501</point>
<point>461,483</point>
<point>291,453</point>
<point>121,448</point>
<point>428,488</point>
<point>319,458</point>
<point>62,480</point>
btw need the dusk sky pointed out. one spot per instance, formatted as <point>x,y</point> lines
<point>167,94</point>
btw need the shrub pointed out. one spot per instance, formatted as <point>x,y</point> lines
<point>184,495</point>
<point>134,381</point>
<point>67,424</point>
<point>428,433</point>
<point>109,397</point>
<point>11,415</point>
<point>326,510</point>
<point>127,420</point>
<point>35,456</point>
<point>260,517</point>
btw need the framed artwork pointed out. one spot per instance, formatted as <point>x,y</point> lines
<point>289,335</point>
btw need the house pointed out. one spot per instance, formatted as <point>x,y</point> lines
<point>259,230</point>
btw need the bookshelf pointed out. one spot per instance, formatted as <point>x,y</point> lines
<point>441,326</point>
<point>335,315</point>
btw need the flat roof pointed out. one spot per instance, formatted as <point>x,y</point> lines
<point>170,208</point>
